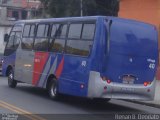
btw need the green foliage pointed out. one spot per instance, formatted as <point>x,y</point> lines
<point>108,7</point>
<point>65,8</point>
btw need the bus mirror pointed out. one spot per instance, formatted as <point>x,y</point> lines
<point>6,37</point>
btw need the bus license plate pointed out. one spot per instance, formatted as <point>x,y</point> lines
<point>127,89</point>
<point>128,80</point>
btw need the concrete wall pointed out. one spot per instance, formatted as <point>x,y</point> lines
<point>3,14</point>
<point>142,10</point>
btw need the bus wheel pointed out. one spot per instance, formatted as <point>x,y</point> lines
<point>52,89</point>
<point>11,82</point>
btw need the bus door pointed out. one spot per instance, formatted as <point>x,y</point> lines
<point>76,70</point>
<point>41,62</point>
<point>25,55</point>
<point>12,46</point>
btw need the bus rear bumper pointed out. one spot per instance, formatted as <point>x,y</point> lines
<point>101,89</point>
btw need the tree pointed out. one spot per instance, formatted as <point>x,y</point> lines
<point>45,6</point>
<point>108,7</point>
<point>64,8</point>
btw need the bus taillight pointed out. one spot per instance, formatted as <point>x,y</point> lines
<point>108,81</point>
<point>146,83</point>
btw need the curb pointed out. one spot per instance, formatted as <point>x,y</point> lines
<point>145,103</point>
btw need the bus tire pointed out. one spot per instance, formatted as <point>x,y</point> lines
<point>11,82</point>
<point>53,89</point>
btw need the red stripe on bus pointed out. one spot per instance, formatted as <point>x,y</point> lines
<point>60,68</point>
<point>40,60</point>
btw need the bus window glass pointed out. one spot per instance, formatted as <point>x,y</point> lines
<point>27,43</point>
<point>17,28</point>
<point>62,30</point>
<point>58,41</point>
<point>17,39</point>
<point>41,44</point>
<point>28,34</point>
<point>14,40</point>
<point>46,31</point>
<point>26,31</point>
<point>88,31</point>
<point>10,43</point>
<point>41,30</point>
<point>54,30</point>
<point>58,46</point>
<point>75,31</point>
<point>32,31</point>
<point>41,41</point>
<point>79,47</point>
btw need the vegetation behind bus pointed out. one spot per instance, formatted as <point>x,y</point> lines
<point>65,8</point>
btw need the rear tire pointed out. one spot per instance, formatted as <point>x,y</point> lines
<point>53,89</point>
<point>11,82</point>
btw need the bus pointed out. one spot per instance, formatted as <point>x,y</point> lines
<point>95,57</point>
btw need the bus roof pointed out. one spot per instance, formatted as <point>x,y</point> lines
<point>62,19</point>
<point>84,18</point>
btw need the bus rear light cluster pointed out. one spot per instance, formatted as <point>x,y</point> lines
<point>106,79</point>
<point>146,83</point>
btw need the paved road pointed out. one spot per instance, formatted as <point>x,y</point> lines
<point>27,100</point>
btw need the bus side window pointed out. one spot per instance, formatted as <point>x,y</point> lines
<point>17,39</point>
<point>62,30</point>
<point>58,38</point>
<point>10,44</point>
<point>54,30</point>
<point>14,40</point>
<point>41,40</point>
<point>80,39</point>
<point>88,31</point>
<point>26,30</point>
<point>28,36</point>
<point>32,31</point>
<point>75,31</point>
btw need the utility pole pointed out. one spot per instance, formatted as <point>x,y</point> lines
<point>28,12</point>
<point>81,7</point>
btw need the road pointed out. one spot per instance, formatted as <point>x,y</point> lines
<point>33,103</point>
